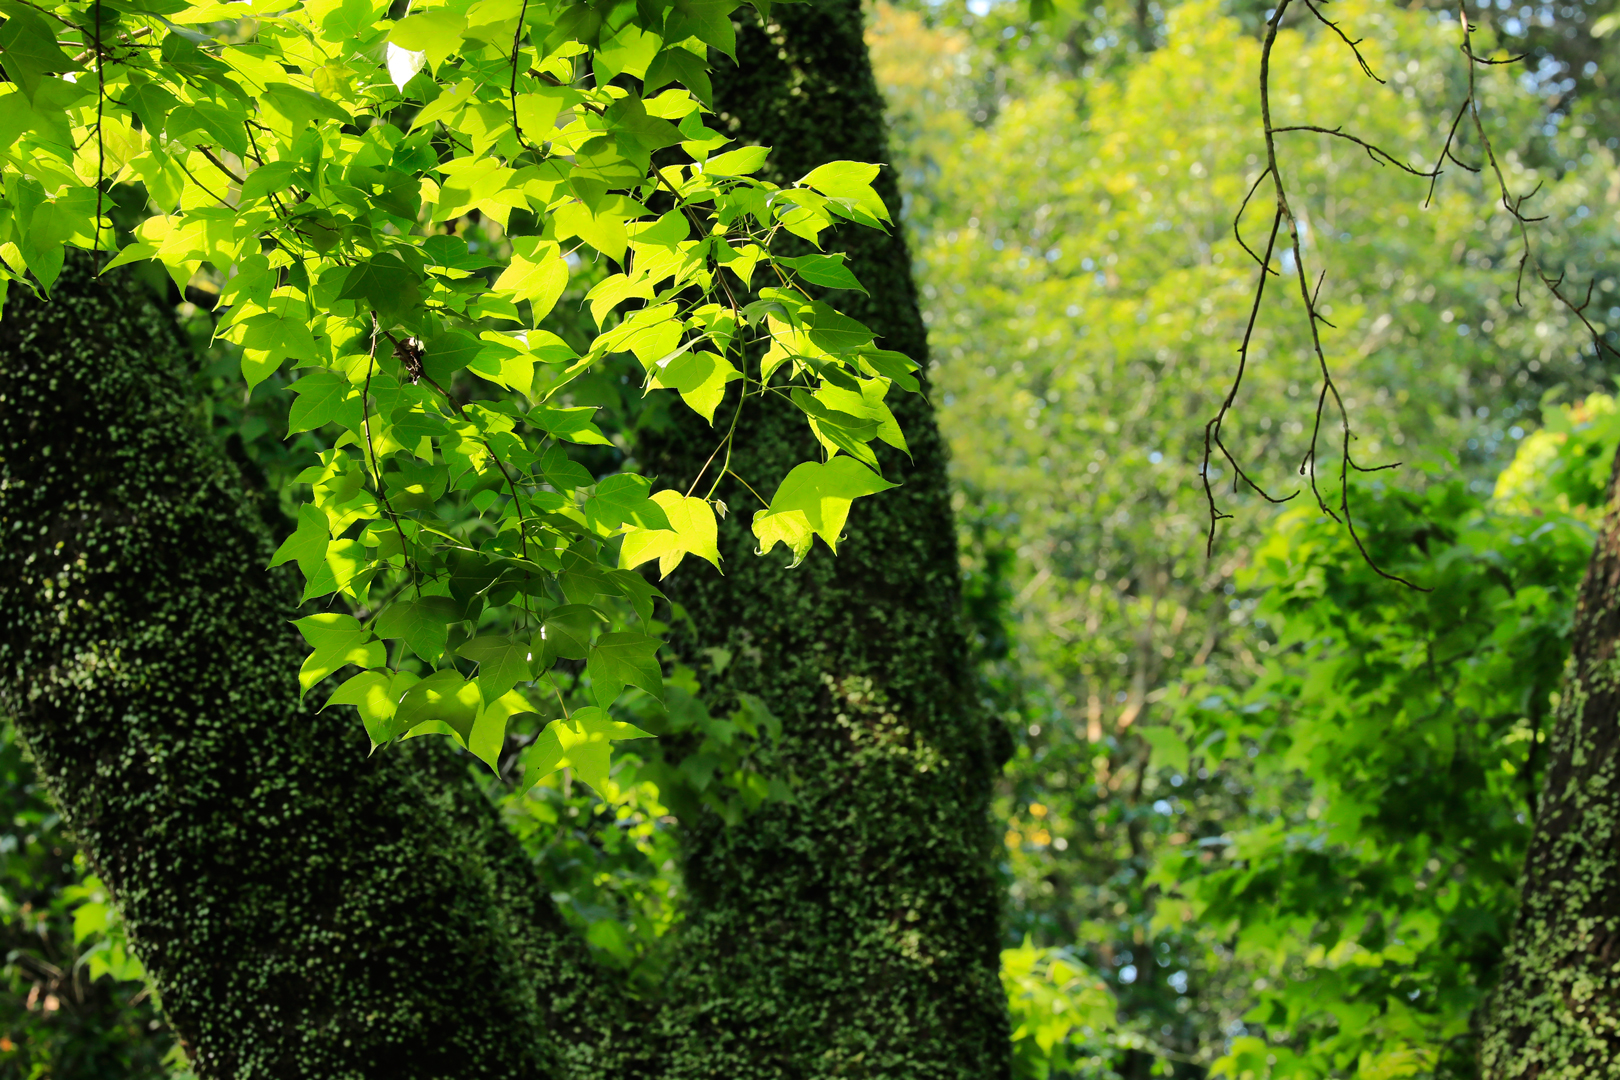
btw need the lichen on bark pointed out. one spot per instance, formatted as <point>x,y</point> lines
<point>1555,1014</point>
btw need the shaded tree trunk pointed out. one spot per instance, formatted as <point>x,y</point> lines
<point>1555,1015</point>
<point>855,931</point>
<point>303,911</point>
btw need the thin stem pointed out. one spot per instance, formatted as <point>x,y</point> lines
<point>371,451</point>
<point>101,146</point>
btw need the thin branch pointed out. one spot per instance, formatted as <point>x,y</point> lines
<point>101,145</point>
<point>1377,153</point>
<point>1331,25</point>
<point>371,449</point>
<point>1282,216</point>
<point>1237,221</point>
<point>1515,206</point>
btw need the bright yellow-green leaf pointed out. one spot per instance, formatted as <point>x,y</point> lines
<point>814,500</point>
<point>693,529</point>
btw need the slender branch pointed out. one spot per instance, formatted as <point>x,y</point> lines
<point>221,166</point>
<point>101,145</point>
<point>1238,220</point>
<point>1282,216</point>
<point>1515,206</point>
<point>1331,25</point>
<point>1377,153</point>
<point>371,450</point>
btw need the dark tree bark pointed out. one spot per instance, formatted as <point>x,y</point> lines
<point>303,911</point>
<point>1555,1015</point>
<point>855,931</point>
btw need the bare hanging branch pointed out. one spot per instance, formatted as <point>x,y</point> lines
<point>1283,217</point>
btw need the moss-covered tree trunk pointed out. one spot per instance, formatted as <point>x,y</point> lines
<point>1555,1015</point>
<point>853,932</point>
<point>303,911</point>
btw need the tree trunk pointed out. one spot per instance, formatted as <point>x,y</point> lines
<point>302,910</point>
<point>853,932</point>
<point>1556,1013</point>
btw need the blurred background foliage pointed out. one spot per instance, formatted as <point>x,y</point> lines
<point>1267,807</point>
<point>1207,806</point>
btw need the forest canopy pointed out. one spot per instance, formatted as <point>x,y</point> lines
<point>538,342</point>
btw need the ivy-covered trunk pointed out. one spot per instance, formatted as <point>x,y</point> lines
<point>302,910</point>
<point>854,931</point>
<point>1556,1013</point>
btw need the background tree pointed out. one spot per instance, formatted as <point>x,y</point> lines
<point>1072,217</point>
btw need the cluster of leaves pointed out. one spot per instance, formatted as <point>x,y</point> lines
<point>1398,734</point>
<point>394,207</point>
<point>1058,1005</point>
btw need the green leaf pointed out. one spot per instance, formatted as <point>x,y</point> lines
<point>581,742</point>
<point>814,500</point>
<point>836,332</point>
<point>707,20</point>
<point>894,366</point>
<point>268,179</point>
<point>621,498</point>
<point>452,253</point>
<point>566,632</point>
<point>149,101</point>
<point>436,33</point>
<point>307,544</point>
<point>860,427</point>
<point>423,624</point>
<point>302,109</point>
<point>623,658</point>
<point>448,353</point>
<point>217,125</point>
<point>562,472</point>
<point>337,640</point>
<point>29,52</point>
<point>700,378</point>
<point>268,339</point>
<point>488,736</point>
<point>573,424</point>
<point>537,111</point>
<point>849,185</point>
<point>376,695</point>
<point>628,53</point>
<point>384,283</point>
<point>677,64</point>
<point>502,663</point>
<point>538,274</point>
<point>348,560</point>
<point>443,696</point>
<point>692,530</point>
<point>825,270</point>
<point>1169,750</point>
<point>638,590</point>
<point>865,400</point>
<point>744,161</point>
<point>323,397</point>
